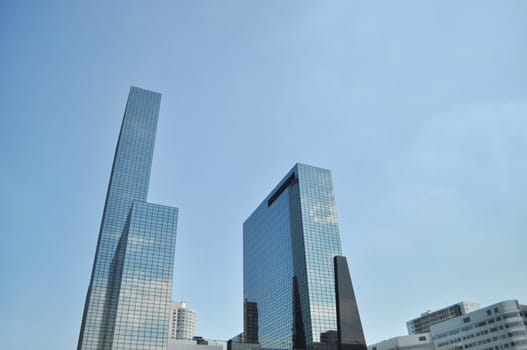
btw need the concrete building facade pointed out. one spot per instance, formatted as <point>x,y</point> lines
<point>182,321</point>
<point>405,342</point>
<point>422,323</point>
<point>501,326</point>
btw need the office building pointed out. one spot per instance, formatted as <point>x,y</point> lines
<point>182,321</point>
<point>291,255</point>
<point>422,324</point>
<point>128,299</point>
<point>405,342</point>
<point>500,326</point>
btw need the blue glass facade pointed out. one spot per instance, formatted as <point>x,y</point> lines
<point>289,243</point>
<point>131,284</point>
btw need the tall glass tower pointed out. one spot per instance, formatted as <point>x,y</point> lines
<point>128,300</point>
<point>289,247</point>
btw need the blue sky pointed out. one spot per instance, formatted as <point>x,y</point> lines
<point>418,108</point>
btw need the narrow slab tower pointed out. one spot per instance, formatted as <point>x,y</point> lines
<point>349,326</point>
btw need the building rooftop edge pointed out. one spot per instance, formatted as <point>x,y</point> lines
<point>147,90</point>
<point>282,180</point>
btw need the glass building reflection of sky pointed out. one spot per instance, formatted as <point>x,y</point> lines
<point>131,283</point>
<point>293,236</point>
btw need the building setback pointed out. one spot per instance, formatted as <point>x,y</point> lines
<point>127,304</point>
<point>290,245</point>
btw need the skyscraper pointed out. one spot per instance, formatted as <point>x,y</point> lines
<point>127,305</point>
<point>291,255</point>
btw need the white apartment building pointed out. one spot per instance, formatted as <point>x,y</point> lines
<point>182,321</point>
<point>502,326</point>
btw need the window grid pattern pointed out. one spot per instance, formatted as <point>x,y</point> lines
<point>321,244</point>
<point>146,287</point>
<point>268,272</point>
<point>128,183</point>
<point>182,321</point>
<point>422,324</point>
<point>497,327</point>
<point>296,236</point>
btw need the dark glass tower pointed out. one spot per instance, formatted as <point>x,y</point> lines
<point>127,305</point>
<point>289,245</point>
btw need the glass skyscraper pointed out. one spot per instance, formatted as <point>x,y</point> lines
<point>289,247</point>
<point>127,305</point>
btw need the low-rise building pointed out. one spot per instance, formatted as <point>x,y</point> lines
<point>501,326</point>
<point>422,323</point>
<point>405,342</point>
<point>197,343</point>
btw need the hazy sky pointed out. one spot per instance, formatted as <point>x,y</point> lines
<point>419,108</point>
